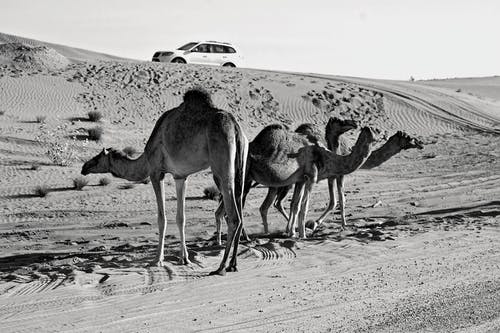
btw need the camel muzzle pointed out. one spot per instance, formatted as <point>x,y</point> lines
<point>85,170</point>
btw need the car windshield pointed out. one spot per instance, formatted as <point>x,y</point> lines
<point>187,46</point>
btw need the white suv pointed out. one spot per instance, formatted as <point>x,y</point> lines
<point>204,53</point>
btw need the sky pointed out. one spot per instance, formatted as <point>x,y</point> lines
<point>387,39</point>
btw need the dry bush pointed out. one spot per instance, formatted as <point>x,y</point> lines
<point>80,182</point>
<point>146,180</point>
<point>40,119</point>
<point>95,133</point>
<point>42,191</point>
<point>211,193</point>
<point>104,181</point>
<point>127,186</point>
<point>94,116</point>
<point>130,151</point>
<point>58,149</point>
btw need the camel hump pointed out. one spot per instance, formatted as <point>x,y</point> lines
<point>197,98</point>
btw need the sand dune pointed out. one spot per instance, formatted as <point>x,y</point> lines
<point>421,253</point>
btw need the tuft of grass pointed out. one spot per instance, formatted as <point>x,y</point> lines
<point>95,133</point>
<point>35,167</point>
<point>104,181</point>
<point>2,112</point>
<point>211,193</point>
<point>458,90</point>
<point>40,119</point>
<point>130,151</point>
<point>42,191</point>
<point>79,183</point>
<point>127,186</point>
<point>146,180</point>
<point>94,116</point>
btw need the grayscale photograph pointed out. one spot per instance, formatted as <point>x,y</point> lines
<point>249,166</point>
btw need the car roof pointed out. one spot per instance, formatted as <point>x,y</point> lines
<point>214,41</point>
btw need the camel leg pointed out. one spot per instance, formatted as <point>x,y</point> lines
<point>298,193</point>
<point>159,189</point>
<point>180,188</point>
<point>219,216</point>
<point>331,203</point>
<point>278,204</point>
<point>233,264</point>
<point>340,189</point>
<point>304,206</point>
<point>268,201</point>
<point>233,223</point>
<point>247,187</point>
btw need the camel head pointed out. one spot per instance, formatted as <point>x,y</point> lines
<point>407,142</point>
<point>366,135</point>
<point>310,131</point>
<point>338,126</point>
<point>98,164</point>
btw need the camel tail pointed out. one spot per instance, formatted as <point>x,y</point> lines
<point>240,167</point>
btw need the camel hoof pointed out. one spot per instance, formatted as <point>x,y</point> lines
<point>231,269</point>
<point>157,263</point>
<point>220,271</point>
<point>311,225</point>
<point>246,239</point>
<point>184,261</point>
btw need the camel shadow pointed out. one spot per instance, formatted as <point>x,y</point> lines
<point>29,266</point>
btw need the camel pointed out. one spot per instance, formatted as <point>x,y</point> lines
<point>396,143</point>
<point>307,131</point>
<point>333,166</point>
<point>187,139</point>
<point>280,158</point>
<point>334,129</point>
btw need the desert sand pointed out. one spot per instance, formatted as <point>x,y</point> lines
<point>422,252</point>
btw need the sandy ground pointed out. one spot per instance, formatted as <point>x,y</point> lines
<point>422,252</point>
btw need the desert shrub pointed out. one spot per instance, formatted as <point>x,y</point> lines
<point>2,112</point>
<point>459,90</point>
<point>58,149</point>
<point>130,151</point>
<point>127,186</point>
<point>94,116</point>
<point>40,119</point>
<point>42,191</point>
<point>79,183</point>
<point>104,181</point>
<point>146,180</point>
<point>95,133</point>
<point>211,192</point>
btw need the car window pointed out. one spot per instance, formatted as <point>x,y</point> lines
<point>217,48</point>
<point>228,49</point>
<point>203,48</point>
<point>187,46</point>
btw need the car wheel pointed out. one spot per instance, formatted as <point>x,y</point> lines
<point>228,64</point>
<point>179,61</point>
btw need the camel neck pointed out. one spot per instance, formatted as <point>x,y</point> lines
<point>129,169</point>
<point>333,143</point>
<point>338,165</point>
<point>381,155</point>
